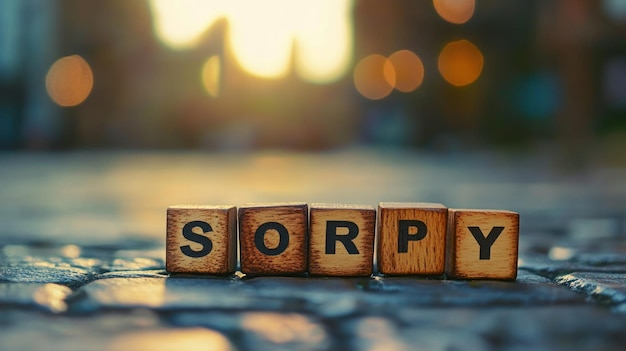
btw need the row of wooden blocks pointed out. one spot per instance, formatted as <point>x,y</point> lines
<point>339,240</point>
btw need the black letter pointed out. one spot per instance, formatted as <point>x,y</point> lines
<point>346,239</point>
<point>485,243</point>
<point>188,233</point>
<point>404,236</point>
<point>259,237</point>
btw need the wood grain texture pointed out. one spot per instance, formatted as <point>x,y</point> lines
<point>293,259</point>
<point>222,233</point>
<point>422,257</point>
<point>464,251</point>
<point>355,259</point>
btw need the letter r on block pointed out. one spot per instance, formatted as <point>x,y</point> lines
<point>342,240</point>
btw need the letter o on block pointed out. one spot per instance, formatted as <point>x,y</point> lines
<point>273,238</point>
<point>201,239</point>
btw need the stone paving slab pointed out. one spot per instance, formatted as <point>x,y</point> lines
<point>139,330</point>
<point>160,293</point>
<point>328,297</point>
<point>82,257</point>
<point>34,270</point>
<point>607,288</point>
<point>497,328</point>
<point>547,267</point>
<point>576,327</point>
<point>528,290</point>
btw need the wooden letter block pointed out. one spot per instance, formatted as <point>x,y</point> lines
<point>201,239</point>
<point>273,238</point>
<point>411,238</point>
<point>341,240</point>
<point>482,244</point>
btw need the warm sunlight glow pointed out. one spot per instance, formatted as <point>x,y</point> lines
<point>261,36</point>
<point>211,76</point>
<point>409,70</point>
<point>374,77</point>
<point>455,11</point>
<point>460,63</point>
<point>180,24</point>
<point>69,81</point>
<point>323,48</point>
<point>265,35</point>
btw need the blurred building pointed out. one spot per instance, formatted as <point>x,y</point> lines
<point>27,116</point>
<point>312,75</point>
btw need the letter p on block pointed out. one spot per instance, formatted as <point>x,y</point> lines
<point>411,238</point>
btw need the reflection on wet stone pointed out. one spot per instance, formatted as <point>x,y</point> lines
<point>46,297</point>
<point>196,339</point>
<point>280,331</point>
<point>375,333</point>
<point>132,264</point>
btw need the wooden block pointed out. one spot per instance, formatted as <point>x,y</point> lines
<point>201,239</point>
<point>411,238</point>
<point>482,244</point>
<point>341,240</point>
<point>273,238</point>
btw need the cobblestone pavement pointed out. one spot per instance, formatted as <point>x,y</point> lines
<point>82,255</point>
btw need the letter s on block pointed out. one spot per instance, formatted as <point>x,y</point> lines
<point>207,244</point>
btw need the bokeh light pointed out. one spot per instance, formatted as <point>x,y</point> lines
<point>69,81</point>
<point>460,63</point>
<point>261,37</point>
<point>264,35</point>
<point>324,48</point>
<point>180,24</point>
<point>455,11</point>
<point>409,70</point>
<point>211,72</point>
<point>374,77</point>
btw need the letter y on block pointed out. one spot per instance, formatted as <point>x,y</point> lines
<point>472,254</point>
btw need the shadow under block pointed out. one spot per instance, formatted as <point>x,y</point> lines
<point>273,238</point>
<point>341,240</point>
<point>482,244</point>
<point>201,239</point>
<point>411,238</point>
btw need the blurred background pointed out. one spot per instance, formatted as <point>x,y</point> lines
<point>315,75</point>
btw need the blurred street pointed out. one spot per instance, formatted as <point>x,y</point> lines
<point>93,197</point>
